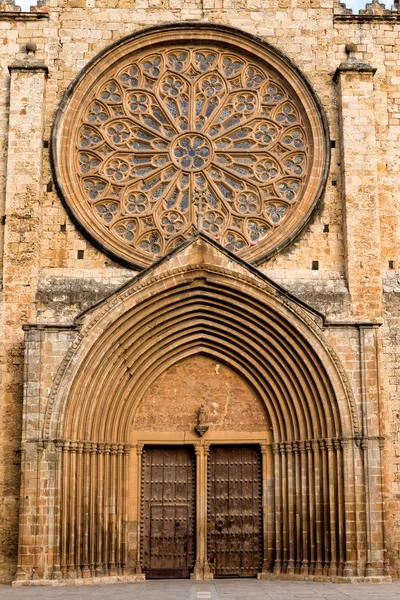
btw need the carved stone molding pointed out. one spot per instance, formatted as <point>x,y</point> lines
<point>298,314</point>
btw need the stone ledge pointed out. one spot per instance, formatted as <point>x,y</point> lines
<point>325,578</point>
<point>141,577</point>
<point>353,65</point>
<point>23,16</point>
<point>367,18</point>
<point>28,64</point>
<point>80,581</point>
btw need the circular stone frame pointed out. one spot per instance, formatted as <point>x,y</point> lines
<point>222,37</point>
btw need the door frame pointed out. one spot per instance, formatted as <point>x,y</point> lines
<point>201,446</point>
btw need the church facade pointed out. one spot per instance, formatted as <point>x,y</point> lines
<point>200,291</point>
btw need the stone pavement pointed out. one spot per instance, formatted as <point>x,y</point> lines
<point>233,589</point>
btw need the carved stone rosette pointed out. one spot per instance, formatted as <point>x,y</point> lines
<point>170,112</point>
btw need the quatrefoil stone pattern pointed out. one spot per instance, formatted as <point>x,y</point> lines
<point>156,127</point>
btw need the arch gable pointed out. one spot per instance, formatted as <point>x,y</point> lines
<point>195,291</point>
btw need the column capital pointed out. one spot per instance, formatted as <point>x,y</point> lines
<point>73,446</point>
<point>344,443</point>
<point>302,446</point>
<point>336,444</point>
<point>198,449</point>
<point>126,449</point>
<point>289,447</point>
<point>58,444</point>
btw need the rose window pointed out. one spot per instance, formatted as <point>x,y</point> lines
<point>160,123</point>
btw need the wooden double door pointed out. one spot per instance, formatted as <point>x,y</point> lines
<point>234,518</point>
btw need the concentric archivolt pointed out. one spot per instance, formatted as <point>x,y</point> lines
<point>157,118</point>
<point>193,315</point>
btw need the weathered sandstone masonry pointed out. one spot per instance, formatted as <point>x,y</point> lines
<point>317,462</point>
<point>22,226</point>
<point>360,194</point>
<point>313,334</point>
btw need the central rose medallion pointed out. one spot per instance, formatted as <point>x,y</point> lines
<point>191,152</point>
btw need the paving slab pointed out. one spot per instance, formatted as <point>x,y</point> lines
<point>234,589</point>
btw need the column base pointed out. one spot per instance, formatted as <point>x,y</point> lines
<point>79,581</point>
<point>323,578</point>
<point>201,573</point>
<point>56,574</point>
<point>23,574</point>
<point>348,570</point>
<point>370,571</point>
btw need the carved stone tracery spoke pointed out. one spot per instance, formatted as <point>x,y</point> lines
<point>156,126</point>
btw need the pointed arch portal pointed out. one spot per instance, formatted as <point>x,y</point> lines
<point>201,311</point>
<point>274,352</point>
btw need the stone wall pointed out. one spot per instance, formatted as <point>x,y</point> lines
<point>229,402</point>
<point>49,270</point>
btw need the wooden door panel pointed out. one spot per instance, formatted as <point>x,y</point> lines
<point>234,511</point>
<point>168,511</point>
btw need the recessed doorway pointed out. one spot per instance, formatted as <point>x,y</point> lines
<point>234,520</point>
<point>168,512</point>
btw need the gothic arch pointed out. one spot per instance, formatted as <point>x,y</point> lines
<point>134,336</point>
<point>218,306</point>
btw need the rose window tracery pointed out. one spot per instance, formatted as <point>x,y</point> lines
<point>157,126</point>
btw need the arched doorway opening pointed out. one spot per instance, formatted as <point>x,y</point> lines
<point>167,424</point>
